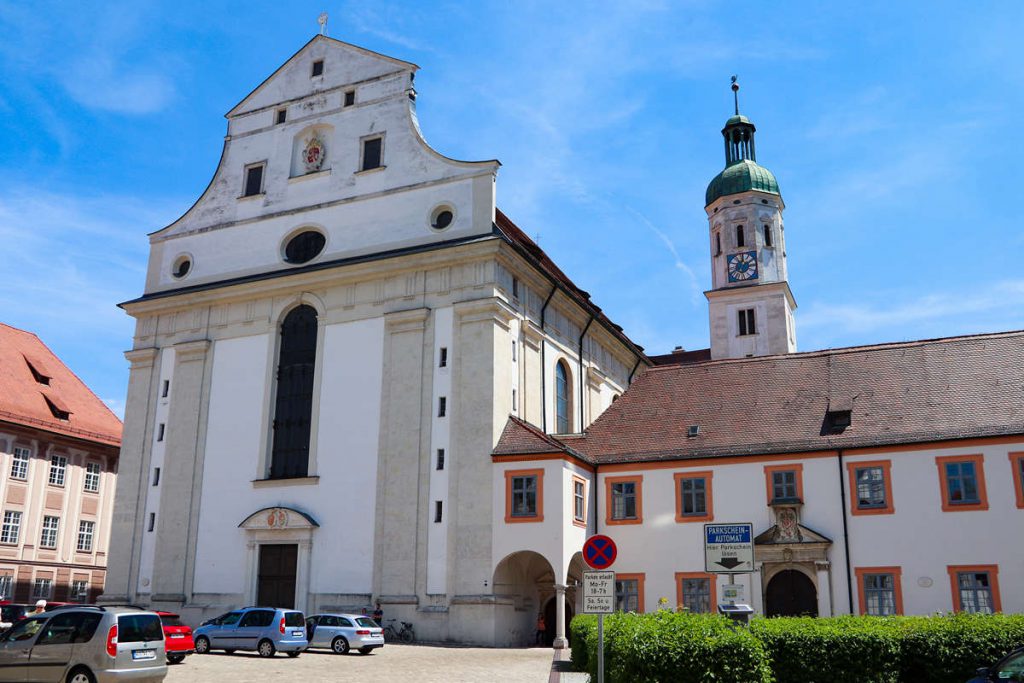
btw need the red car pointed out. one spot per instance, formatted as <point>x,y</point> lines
<point>177,638</point>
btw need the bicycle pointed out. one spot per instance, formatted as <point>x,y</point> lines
<point>405,634</point>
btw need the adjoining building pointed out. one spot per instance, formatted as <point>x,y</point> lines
<point>354,379</point>
<point>59,457</point>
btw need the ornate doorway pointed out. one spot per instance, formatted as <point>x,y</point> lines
<point>791,594</point>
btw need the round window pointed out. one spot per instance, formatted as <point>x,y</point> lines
<point>305,246</point>
<point>182,265</point>
<point>441,217</point>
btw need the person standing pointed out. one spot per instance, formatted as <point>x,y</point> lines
<point>542,629</point>
<point>378,614</point>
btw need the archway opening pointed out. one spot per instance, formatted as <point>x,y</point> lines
<point>790,593</point>
<point>526,580</point>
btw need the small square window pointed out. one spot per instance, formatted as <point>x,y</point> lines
<point>442,406</point>
<point>281,116</point>
<point>437,510</point>
<point>372,153</point>
<point>156,476</point>
<point>442,361</point>
<point>165,389</point>
<point>440,458</point>
<point>350,98</point>
<point>253,180</point>
<point>515,288</point>
<point>152,522</point>
<point>160,432</point>
<point>318,68</point>
<point>524,496</point>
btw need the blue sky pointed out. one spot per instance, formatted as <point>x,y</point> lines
<point>892,128</point>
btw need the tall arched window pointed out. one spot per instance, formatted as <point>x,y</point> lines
<point>561,398</point>
<point>294,406</point>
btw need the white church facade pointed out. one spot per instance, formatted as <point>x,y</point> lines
<point>353,379</point>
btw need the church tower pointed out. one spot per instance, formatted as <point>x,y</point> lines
<point>750,303</point>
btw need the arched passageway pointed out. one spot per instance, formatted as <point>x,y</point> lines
<point>526,581</point>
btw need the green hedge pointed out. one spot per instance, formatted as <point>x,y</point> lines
<point>669,647</point>
<point>665,646</point>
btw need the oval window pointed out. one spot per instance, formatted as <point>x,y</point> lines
<point>181,267</point>
<point>441,217</point>
<point>304,247</point>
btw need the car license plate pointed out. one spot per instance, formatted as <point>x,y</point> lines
<point>298,633</point>
<point>177,635</point>
<point>143,654</point>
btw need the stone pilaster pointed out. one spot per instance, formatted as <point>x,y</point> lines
<point>174,520</point>
<point>132,468</point>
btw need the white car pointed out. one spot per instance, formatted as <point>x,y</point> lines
<point>344,632</point>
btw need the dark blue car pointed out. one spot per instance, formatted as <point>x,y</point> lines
<point>1009,668</point>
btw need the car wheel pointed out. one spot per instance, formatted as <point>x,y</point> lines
<point>80,675</point>
<point>339,646</point>
<point>365,650</point>
<point>293,655</point>
<point>266,649</point>
<point>202,645</point>
<point>175,659</point>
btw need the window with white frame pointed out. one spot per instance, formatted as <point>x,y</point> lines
<point>58,469</point>
<point>48,537</point>
<point>624,500</point>
<point>627,595</point>
<point>92,476</point>
<point>524,496</point>
<point>870,487</point>
<point>11,527</point>
<point>696,593</point>
<point>6,586</point>
<point>579,501</point>
<point>19,463</point>
<point>79,591</point>
<point>41,589</point>
<point>975,592</point>
<point>879,594</point>
<point>85,534</point>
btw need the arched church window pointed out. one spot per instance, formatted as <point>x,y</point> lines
<point>561,398</point>
<point>739,236</point>
<point>294,406</point>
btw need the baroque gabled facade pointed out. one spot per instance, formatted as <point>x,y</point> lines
<point>327,349</point>
<point>354,379</point>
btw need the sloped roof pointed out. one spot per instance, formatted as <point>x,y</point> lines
<point>520,437</point>
<point>901,393</point>
<point>537,256</point>
<point>24,394</point>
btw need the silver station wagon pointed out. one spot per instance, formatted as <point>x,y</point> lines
<point>85,644</point>
<point>344,632</point>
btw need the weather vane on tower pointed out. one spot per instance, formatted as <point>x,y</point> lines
<point>322,20</point>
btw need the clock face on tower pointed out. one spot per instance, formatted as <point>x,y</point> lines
<point>742,266</point>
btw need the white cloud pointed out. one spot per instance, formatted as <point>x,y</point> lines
<point>102,82</point>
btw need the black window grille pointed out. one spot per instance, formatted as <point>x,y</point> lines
<point>294,407</point>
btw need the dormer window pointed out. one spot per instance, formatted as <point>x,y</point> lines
<point>318,69</point>
<point>350,98</point>
<point>739,236</point>
<point>281,116</point>
<point>253,180</point>
<point>39,372</point>
<point>836,421</point>
<point>57,407</point>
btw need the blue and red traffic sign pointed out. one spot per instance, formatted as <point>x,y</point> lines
<point>599,552</point>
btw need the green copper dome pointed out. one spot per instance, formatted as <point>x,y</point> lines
<point>739,118</point>
<point>739,177</point>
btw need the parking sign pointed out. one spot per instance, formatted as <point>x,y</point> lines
<point>598,592</point>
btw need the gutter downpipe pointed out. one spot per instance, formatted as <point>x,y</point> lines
<point>580,355</point>
<point>633,372</point>
<point>846,533</point>
<point>543,366</point>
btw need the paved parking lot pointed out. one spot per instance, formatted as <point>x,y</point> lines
<point>419,663</point>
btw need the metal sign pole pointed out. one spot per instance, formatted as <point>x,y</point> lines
<point>600,648</point>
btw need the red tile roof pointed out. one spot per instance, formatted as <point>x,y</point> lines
<point>521,437</point>
<point>24,394</point>
<point>913,392</point>
<point>533,253</point>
